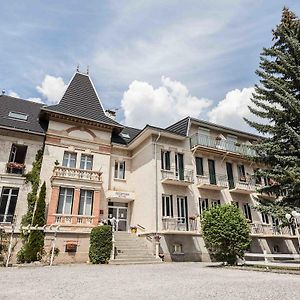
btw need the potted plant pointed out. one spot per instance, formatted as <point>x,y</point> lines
<point>133,229</point>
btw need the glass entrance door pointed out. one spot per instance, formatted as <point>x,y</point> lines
<point>117,216</point>
<point>182,212</point>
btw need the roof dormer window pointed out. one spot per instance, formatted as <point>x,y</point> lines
<point>125,135</point>
<point>18,116</point>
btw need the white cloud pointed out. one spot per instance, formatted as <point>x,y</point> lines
<point>35,99</point>
<point>142,103</point>
<point>13,94</point>
<point>233,108</point>
<point>52,88</point>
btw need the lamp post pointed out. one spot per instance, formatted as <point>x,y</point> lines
<point>293,219</point>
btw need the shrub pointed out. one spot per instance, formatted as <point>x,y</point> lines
<point>100,244</point>
<point>33,249</point>
<point>226,233</point>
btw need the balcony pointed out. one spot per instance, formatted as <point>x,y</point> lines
<point>212,182</point>
<point>268,230</point>
<point>221,145</point>
<point>73,219</point>
<point>178,224</point>
<point>242,186</point>
<point>177,177</point>
<point>15,168</point>
<point>76,174</point>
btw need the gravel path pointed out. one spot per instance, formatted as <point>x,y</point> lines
<point>162,281</point>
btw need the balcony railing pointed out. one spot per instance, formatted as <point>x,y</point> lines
<point>15,168</point>
<point>183,176</point>
<point>73,219</point>
<point>266,229</point>
<point>242,185</point>
<point>179,224</point>
<point>65,172</point>
<point>223,145</point>
<point>212,181</point>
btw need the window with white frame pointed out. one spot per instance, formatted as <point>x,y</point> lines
<point>215,202</point>
<point>69,159</point>
<point>247,212</point>
<point>203,204</point>
<point>8,203</point>
<point>120,169</point>
<point>241,172</point>
<point>165,160</point>
<point>86,202</point>
<point>177,249</point>
<point>65,201</point>
<point>86,162</point>
<point>265,218</point>
<point>167,206</point>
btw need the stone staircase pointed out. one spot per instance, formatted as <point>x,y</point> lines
<point>131,249</point>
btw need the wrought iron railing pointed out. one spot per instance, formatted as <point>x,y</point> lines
<point>73,219</point>
<point>178,174</point>
<point>213,179</point>
<point>242,183</point>
<point>259,228</point>
<point>179,224</point>
<point>228,146</point>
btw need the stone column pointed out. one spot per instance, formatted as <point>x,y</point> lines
<point>75,206</point>
<point>96,207</point>
<point>53,205</point>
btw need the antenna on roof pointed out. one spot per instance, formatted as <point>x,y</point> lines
<point>88,70</point>
<point>111,113</point>
<point>77,69</point>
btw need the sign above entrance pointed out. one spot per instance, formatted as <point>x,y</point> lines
<point>121,196</point>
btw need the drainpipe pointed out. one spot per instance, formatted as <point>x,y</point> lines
<point>156,200</point>
<point>53,243</point>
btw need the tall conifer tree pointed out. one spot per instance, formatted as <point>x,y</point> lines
<point>277,101</point>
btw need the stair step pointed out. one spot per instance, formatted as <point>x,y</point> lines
<point>135,259</point>
<point>114,262</point>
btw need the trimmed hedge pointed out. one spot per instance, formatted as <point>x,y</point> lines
<point>100,244</point>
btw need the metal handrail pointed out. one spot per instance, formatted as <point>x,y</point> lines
<point>225,145</point>
<point>215,179</point>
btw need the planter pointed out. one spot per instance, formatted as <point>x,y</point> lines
<point>133,229</point>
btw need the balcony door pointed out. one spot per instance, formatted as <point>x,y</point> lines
<point>212,172</point>
<point>179,166</point>
<point>182,213</point>
<point>230,175</point>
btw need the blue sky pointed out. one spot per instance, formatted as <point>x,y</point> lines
<point>207,51</point>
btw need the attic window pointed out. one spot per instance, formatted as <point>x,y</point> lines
<point>125,135</point>
<point>18,116</point>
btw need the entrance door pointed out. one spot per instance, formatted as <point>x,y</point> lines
<point>230,175</point>
<point>212,172</point>
<point>117,215</point>
<point>179,166</point>
<point>182,213</point>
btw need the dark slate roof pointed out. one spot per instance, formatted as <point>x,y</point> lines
<point>17,105</point>
<point>180,127</point>
<point>81,100</point>
<point>122,137</point>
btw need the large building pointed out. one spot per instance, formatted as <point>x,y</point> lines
<point>157,180</point>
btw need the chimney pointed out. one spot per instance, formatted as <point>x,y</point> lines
<point>3,92</point>
<point>111,114</point>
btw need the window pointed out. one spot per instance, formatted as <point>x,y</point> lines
<point>120,169</point>
<point>265,218</point>
<point>203,204</point>
<point>177,249</point>
<point>65,201</point>
<point>165,160</point>
<point>86,202</point>
<point>247,212</point>
<point>241,173</point>
<point>215,202</point>
<point>86,162</point>
<point>8,203</point>
<point>167,206</point>
<point>199,166</point>
<point>17,116</point>
<point>16,159</point>
<point>236,203</point>
<point>69,159</point>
